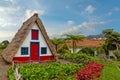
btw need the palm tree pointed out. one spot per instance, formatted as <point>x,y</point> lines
<point>57,41</point>
<point>74,39</point>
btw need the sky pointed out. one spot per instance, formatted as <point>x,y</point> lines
<point>85,17</point>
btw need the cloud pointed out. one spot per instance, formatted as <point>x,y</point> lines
<point>87,26</point>
<point>67,7</point>
<point>116,9</point>
<point>29,13</point>
<point>110,13</point>
<point>89,9</point>
<point>6,35</point>
<point>70,22</point>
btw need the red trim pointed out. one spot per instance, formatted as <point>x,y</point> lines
<point>21,59</point>
<point>27,59</point>
<point>43,58</point>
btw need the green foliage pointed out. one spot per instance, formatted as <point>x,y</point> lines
<point>74,39</point>
<point>100,49</point>
<point>57,41</point>
<point>117,54</point>
<point>110,71</point>
<point>54,71</point>
<point>112,39</point>
<point>3,45</point>
<point>77,58</point>
<point>10,74</point>
<point>87,50</point>
<point>64,49</point>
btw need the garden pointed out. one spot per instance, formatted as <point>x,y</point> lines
<point>83,64</point>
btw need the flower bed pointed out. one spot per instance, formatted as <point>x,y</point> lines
<point>90,71</point>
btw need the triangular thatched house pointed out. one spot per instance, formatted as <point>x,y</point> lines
<point>30,44</point>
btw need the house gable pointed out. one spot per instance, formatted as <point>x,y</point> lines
<point>21,40</point>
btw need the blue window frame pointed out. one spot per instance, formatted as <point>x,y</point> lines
<point>24,50</point>
<point>43,50</point>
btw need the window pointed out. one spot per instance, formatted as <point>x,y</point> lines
<point>34,34</point>
<point>24,50</point>
<point>43,50</point>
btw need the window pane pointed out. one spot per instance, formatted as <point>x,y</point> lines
<point>24,51</point>
<point>35,34</point>
<point>43,50</point>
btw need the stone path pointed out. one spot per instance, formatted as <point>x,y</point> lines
<point>3,69</point>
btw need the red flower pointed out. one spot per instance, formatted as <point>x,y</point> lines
<point>89,71</point>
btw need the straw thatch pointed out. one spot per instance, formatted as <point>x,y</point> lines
<point>20,36</point>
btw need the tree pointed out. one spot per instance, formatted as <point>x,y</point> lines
<point>74,39</point>
<point>4,44</point>
<point>112,39</point>
<point>57,41</point>
<point>64,49</point>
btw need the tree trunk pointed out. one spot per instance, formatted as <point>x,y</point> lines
<point>73,46</point>
<point>117,46</point>
<point>56,47</point>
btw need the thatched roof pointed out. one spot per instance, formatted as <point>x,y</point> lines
<point>20,36</point>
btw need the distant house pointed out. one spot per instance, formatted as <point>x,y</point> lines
<point>86,43</point>
<point>30,44</point>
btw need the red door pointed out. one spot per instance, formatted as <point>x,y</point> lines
<point>34,51</point>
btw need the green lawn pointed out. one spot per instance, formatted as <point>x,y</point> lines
<point>110,71</point>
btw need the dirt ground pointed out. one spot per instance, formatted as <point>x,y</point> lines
<point>3,69</point>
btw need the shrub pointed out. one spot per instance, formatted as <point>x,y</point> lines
<point>117,54</point>
<point>89,71</point>
<point>87,50</point>
<point>54,71</point>
<point>77,58</point>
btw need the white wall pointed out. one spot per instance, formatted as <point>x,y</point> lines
<point>27,41</point>
<point>77,49</point>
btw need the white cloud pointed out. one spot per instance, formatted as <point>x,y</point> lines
<point>70,22</point>
<point>109,13</point>
<point>67,7</point>
<point>117,9</point>
<point>89,9</point>
<point>6,35</point>
<point>88,26</point>
<point>29,13</point>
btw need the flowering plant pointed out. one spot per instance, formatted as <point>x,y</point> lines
<point>90,71</point>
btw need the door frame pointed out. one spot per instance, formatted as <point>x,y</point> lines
<point>38,50</point>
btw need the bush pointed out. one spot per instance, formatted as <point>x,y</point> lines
<point>77,58</point>
<point>117,54</point>
<point>10,74</point>
<point>54,71</point>
<point>87,50</point>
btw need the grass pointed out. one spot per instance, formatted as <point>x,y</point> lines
<point>110,71</point>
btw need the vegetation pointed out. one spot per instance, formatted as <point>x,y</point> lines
<point>54,71</point>
<point>87,50</point>
<point>3,45</point>
<point>90,71</point>
<point>64,49</point>
<point>112,39</point>
<point>110,71</point>
<point>74,39</point>
<point>57,41</point>
<point>78,58</point>
<point>117,54</point>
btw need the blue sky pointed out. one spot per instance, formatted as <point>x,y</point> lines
<point>86,17</point>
